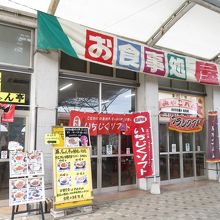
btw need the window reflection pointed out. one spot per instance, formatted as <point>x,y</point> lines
<point>109,144</point>
<point>126,144</point>
<point>109,171</point>
<point>128,172</point>
<point>81,96</point>
<point>117,99</point>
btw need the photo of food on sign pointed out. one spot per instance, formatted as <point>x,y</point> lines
<point>64,181</point>
<point>80,165</point>
<point>76,137</point>
<point>18,157</point>
<point>35,182</point>
<point>81,180</point>
<point>18,184</point>
<point>35,156</point>
<point>18,169</point>
<point>19,196</point>
<point>35,194</point>
<point>63,166</point>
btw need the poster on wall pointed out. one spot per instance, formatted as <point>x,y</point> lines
<point>186,124</point>
<point>213,151</point>
<point>60,132</point>
<point>180,104</point>
<point>142,144</point>
<point>72,174</point>
<point>76,136</point>
<point>26,190</point>
<point>25,164</point>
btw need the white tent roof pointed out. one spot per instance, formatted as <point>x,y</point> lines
<point>187,27</point>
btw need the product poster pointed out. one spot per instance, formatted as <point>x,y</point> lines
<point>25,164</point>
<point>26,190</point>
<point>72,174</point>
<point>76,136</point>
<point>60,132</point>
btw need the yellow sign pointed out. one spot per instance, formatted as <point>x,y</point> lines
<point>52,139</point>
<point>72,175</point>
<point>60,132</point>
<point>10,97</point>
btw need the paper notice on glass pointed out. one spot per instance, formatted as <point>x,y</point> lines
<point>173,148</point>
<point>4,154</point>
<point>109,149</point>
<point>128,150</point>
<point>187,146</point>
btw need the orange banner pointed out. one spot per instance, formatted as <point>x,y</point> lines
<point>186,124</point>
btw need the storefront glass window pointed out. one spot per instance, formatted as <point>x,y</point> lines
<point>174,166</point>
<point>126,144</point>
<point>15,44</point>
<point>128,176</point>
<point>174,141</point>
<point>78,95</point>
<point>109,171</point>
<point>109,144</point>
<point>188,170</point>
<point>16,83</point>
<point>200,164</point>
<point>163,137</point>
<point>163,167</point>
<point>200,140</point>
<point>117,99</point>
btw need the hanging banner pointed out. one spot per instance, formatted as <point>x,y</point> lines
<point>8,112</point>
<point>102,123</point>
<point>72,175</point>
<point>107,49</point>
<point>185,124</point>
<point>142,144</point>
<point>213,151</point>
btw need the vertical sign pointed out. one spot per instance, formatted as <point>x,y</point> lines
<point>213,153</point>
<point>142,144</point>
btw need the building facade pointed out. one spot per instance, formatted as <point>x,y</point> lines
<point>55,83</point>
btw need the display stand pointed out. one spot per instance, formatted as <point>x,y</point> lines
<point>28,210</point>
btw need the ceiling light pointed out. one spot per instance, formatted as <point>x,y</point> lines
<point>66,86</point>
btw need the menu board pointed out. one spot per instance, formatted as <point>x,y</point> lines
<point>26,164</point>
<point>26,190</point>
<point>76,136</point>
<point>72,174</point>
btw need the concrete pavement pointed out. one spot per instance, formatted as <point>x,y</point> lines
<point>195,201</point>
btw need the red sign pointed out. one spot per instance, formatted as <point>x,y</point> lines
<point>8,112</point>
<point>206,73</point>
<point>186,124</point>
<point>102,123</point>
<point>99,47</point>
<point>142,144</point>
<point>136,124</point>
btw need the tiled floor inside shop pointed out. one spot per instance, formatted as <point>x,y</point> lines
<point>197,200</point>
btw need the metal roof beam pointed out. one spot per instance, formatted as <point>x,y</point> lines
<point>53,7</point>
<point>207,5</point>
<point>180,12</point>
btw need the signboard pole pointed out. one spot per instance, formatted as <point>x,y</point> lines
<point>16,212</point>
<point>155,187</point>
